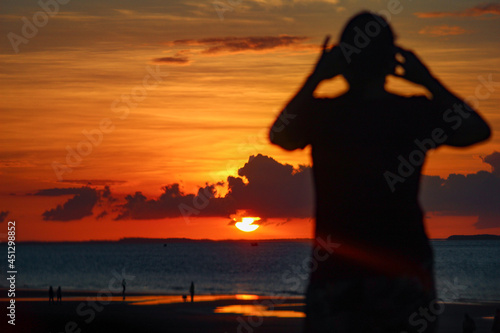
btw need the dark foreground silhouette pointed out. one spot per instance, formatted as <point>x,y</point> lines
<point>59,295</point>
<point>368,149</point>
<point>51,295</point>
<point>496,322</point>
<point>124,286</point>
<point>468,325</point>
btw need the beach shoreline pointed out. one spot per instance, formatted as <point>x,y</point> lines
<point>94,311</point>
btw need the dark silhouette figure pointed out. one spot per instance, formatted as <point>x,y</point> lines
<point>468,326</point>
<point>59,295</point>
<point>124,285</point>
<point>496,322</point>
<point>191,291</point>
<point>184,298</point>
<point>51,295</point>
<point>374,262</point>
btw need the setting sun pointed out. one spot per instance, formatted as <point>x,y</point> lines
<point>247,225</point>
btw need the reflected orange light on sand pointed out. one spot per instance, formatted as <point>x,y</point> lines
<point>246,297</point>
<point>258,310</point>
<point>155,300</point>
<point>143,299</point>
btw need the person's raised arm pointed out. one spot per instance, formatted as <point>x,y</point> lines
<point>288,131</point>
<point>471,128</point>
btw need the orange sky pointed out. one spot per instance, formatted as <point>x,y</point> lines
<point>193,111</point>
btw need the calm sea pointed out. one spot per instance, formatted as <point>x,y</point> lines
<point>465,270</point>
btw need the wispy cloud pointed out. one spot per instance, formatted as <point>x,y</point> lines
<point>94,182</point>
<point>479,10</point>
<point>172,60</point>
<point>241,44</point>
<point>69,16</point>
<point>442,30</point>
<point>281,3</point>
<point>137,15</point>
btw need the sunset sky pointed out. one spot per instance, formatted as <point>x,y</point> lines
<point>115,113</point>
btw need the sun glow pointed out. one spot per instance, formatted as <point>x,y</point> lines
<point>247,225</point>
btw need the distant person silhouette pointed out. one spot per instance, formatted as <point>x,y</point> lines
<point>373,265</point>
<point>124,285</point>
<point>51,295</point>
<point>59,295</point>
<point>468,326</point>
<point>496,322</point>
<point>191,291</point>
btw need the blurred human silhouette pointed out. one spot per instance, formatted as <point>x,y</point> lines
<point>372,259</point>
<point>51,295</point>
<point>124,285</point>
<point>496,322</point>
<point>184,298</point>
<point>59,294</point>
<point>191,291</point>
<point>468,325</point>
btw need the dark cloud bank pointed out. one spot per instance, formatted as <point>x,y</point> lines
<point>476,194</point>
<point>274,190</point>
<point>77,207</point>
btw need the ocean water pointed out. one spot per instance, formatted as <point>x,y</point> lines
<point>465,270</point>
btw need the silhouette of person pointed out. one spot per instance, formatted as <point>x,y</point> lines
<point>468,326</point>
<point>124,285</point>
<point>496,322</point>
<point>59,294</point>
<point>51,295</point>
<point>191,291</point>
<point>373,264</point>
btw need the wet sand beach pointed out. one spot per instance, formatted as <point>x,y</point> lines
<point>83,311</point>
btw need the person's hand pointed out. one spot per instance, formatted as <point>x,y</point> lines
<point>414,70</point>
<point>330,63</point>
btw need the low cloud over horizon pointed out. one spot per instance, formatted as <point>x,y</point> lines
<point>276,190</point>
<point>77,207</point>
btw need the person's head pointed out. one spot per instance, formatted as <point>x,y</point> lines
<point>367,43</point>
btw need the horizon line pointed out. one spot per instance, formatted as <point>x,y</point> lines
<point>185,239</point>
